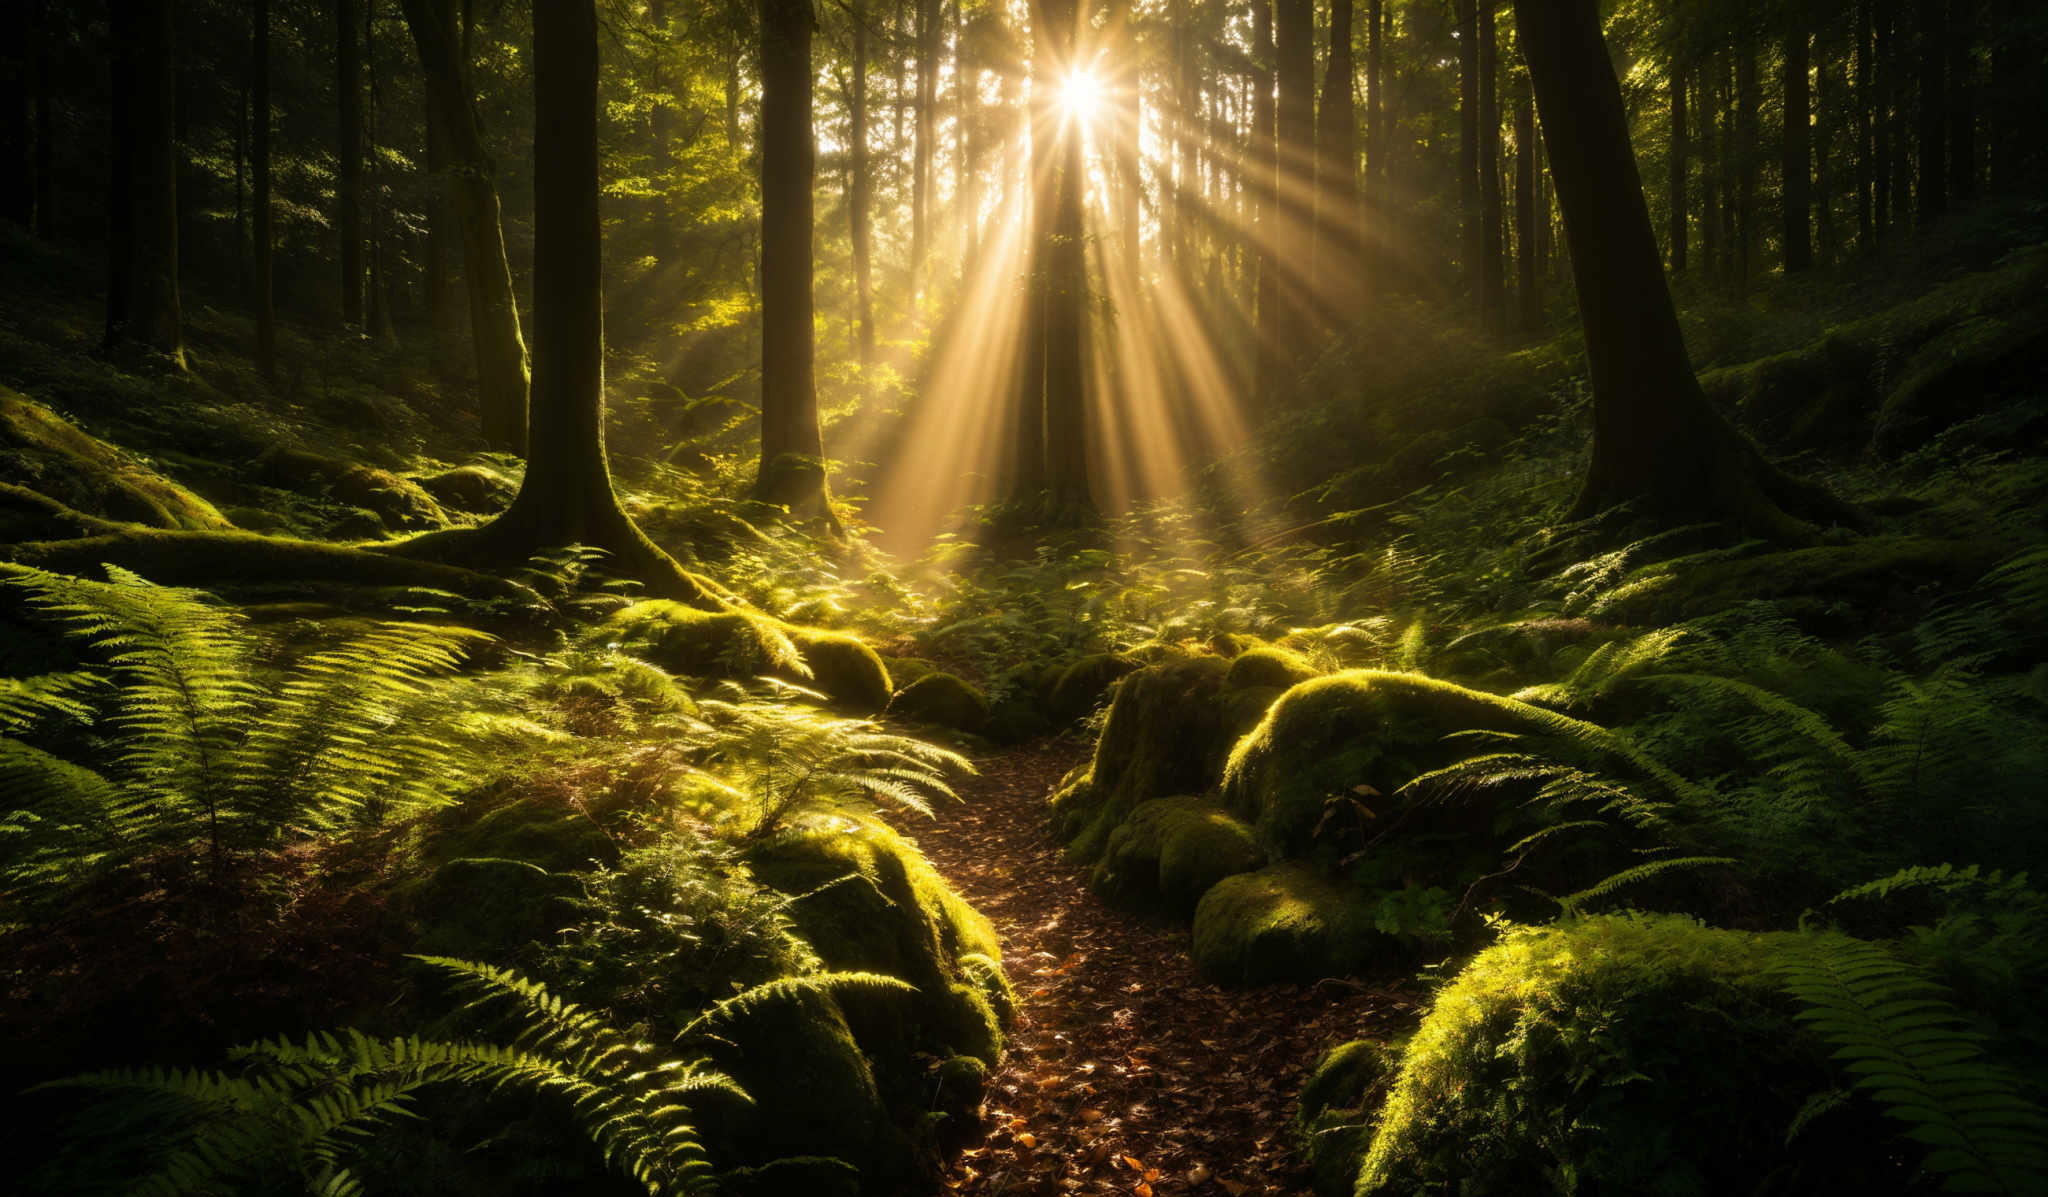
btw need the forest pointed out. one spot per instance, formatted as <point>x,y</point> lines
<point>1153,597</point>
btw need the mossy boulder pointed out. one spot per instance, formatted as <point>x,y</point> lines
<point>1166,734</point>
<point>1082,684</point>
<point>1355,737</point>
<point>742,644</point>
<point>490,908</point>
<point>48,454</point>
<point>1267,667</point>
<point>844,668</point>
<point>1285,922</point>
<point>1171,851</point>
<point>943,700</point>
<point>1335,1116</point>
<point>905,670</point>
<point>1634,1054</point>
<point>473,489</point>
<point>402,504</point>
<point>887,910</point>
<point>1967,370</point>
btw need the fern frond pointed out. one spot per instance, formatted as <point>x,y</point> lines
<point>1906,1045</point>
<point>1576,903</point>
<point>786,988</point>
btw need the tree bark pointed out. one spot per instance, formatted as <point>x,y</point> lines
<point>1866,226</point>
<point>1710,172</point>
<point>1529,241</point>
<point>1068,498</point>
<point>921,150</point>
<point>263,238</point>
<point>1884,51</point>
<point>857,187</point>
<point>792,471</point>
<point>501,363</point>
<point>142,254</point>
<point>1027,450</point>
<point>1748,99</point>
<point>1797,165</point>
<point>1336,235</point>
<point>348,187</point>
<point>1266,220</point>
<point>1471,235</point>
<point>1675,102</point>
<point>1933,181</point>
<point>1373,239</point>
<point>1962,99</point>
<point>1295,132</point>
<point>1493,306</point>
<point>17,180</point>
<point>1656,439</point>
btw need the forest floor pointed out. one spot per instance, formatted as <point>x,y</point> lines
<point>1127,1072</point>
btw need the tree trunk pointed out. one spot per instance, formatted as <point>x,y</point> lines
<point>1656,439</point>
<point>1267,368</point>
<point>1027,456</point>
<point>1962,99</point>
<point>1373,239</point>
<point>259,167</point>
<point>1295,132</point>
<point>142,248</point>
<point>1493,305</point>
<point>348,186</point>
<point>1884,53</point>
<point>1748,99</point>
<point>1068,500</point>
<point>1675,102</point>
<point>501,364</point>
<point>1529,242</point>
<point>792,472</point>
<point>857,188</point>
<point>443,308</point>
<point>1710,172</point>
<point>17,180</point>
<point>378,318</point>
<point>921,151</point>
<point>1827,111</point>
<point>1797,179</point>
<point>1470,234</point>
<point>1866,226</point>
<point>1933,199</point>
<point>1336,235</point>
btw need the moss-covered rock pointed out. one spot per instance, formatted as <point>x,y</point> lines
<point>1082,684</point>
<point>476,490</point>
<point>1357,737</point>
<point>1967,370</point>
<point>843,667</point>
<point>887,910</point>
<point>1166,734</point>
<point>1335,1117</point>
<point>489,908</point>
<point>742,644</point>
<point>905,670</point>
<point>46,453</point>
<point>1171,851</point>
<point>1286,922</point>
<point>1268,667</point>
<point>1634,1054</point>
<point>944,700</point>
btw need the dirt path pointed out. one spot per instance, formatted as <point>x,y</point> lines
<point>1127,1073</point>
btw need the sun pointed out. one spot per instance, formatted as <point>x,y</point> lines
<point>1082,95</point>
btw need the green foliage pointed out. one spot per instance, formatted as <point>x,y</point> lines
<point>204,748</point>
<point>1907,1046</point>
<point>777,759</point>
<point>944,700</point>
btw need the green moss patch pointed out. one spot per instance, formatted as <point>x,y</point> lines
<point>1269,668</point>
<point>45,452</point>
<point>944,700</point>
<point>1171,851</point>
<point>741,644</point>
<point>1867,574</point>
<point>1636,1054</point>
<point>1286,922</point>
<point>1081,685</point>
<point>1336,1113</point>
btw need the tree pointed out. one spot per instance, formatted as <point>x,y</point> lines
<point>1797,178</point>
<point>501,363</point>
<point>792,471</point>
<point>1528,284</point>
<point>1675,100</point>
<point>1336,235</point>
<point>857,184</point>
<point>1265,195</point>
<point>17,185</point>
<point>1068,499</point>
<point>142,203</point>
<point>1295,133</point>
<point>348,187</point>
<point>1933,181</point>
<point>259,167</point>
<point>1493,303</point>
<point>1470,234</point>
<point>1657,441</point>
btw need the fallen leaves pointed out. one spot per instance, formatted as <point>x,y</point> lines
<point>1127,1073</point>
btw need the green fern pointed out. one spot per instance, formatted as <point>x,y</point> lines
<point>1907,1046</point>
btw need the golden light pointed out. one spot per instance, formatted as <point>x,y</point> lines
<point>1082,96</point>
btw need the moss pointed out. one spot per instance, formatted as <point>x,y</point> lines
<point>741,644</point>
<point>887,910</point>
<point>1335,1114</point>
<point>844,668</point>
<point>401,503</point>
<point>905,670</point>
<point>1170,851</point>
<point>1082,684</point>
<point>944,700</point>
<point>488,908</point>
<point>1327,738</point>
<point>1286,922</point>
<point>1019,709</point>
<point>1166,734</point>
<point>1863,576</point>
<point>1635,1054</point>
<point>1269,668</point>
<point>476,490</point>
<point>47,453</point>
<point>1963,372</point>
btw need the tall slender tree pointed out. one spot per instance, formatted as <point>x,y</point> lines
<point>1471,236</point>
<point>1069,499</point>
<point>259,168</point>
<point>1295,134</point>
<point>1529,241</point>
<point>1796,180</point>
<point>1493,300</point>
<point>1335,261</point>
<point>143,306</point>
<point>348,183</point>
<point>857,189</point>
<point>1932,192</point>
<point>792,470</point>
<point>501,361</point>
<point>1678,161</point>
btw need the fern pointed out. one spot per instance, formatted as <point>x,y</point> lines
<point>1606,887</point>
<point>1906,1046</point>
